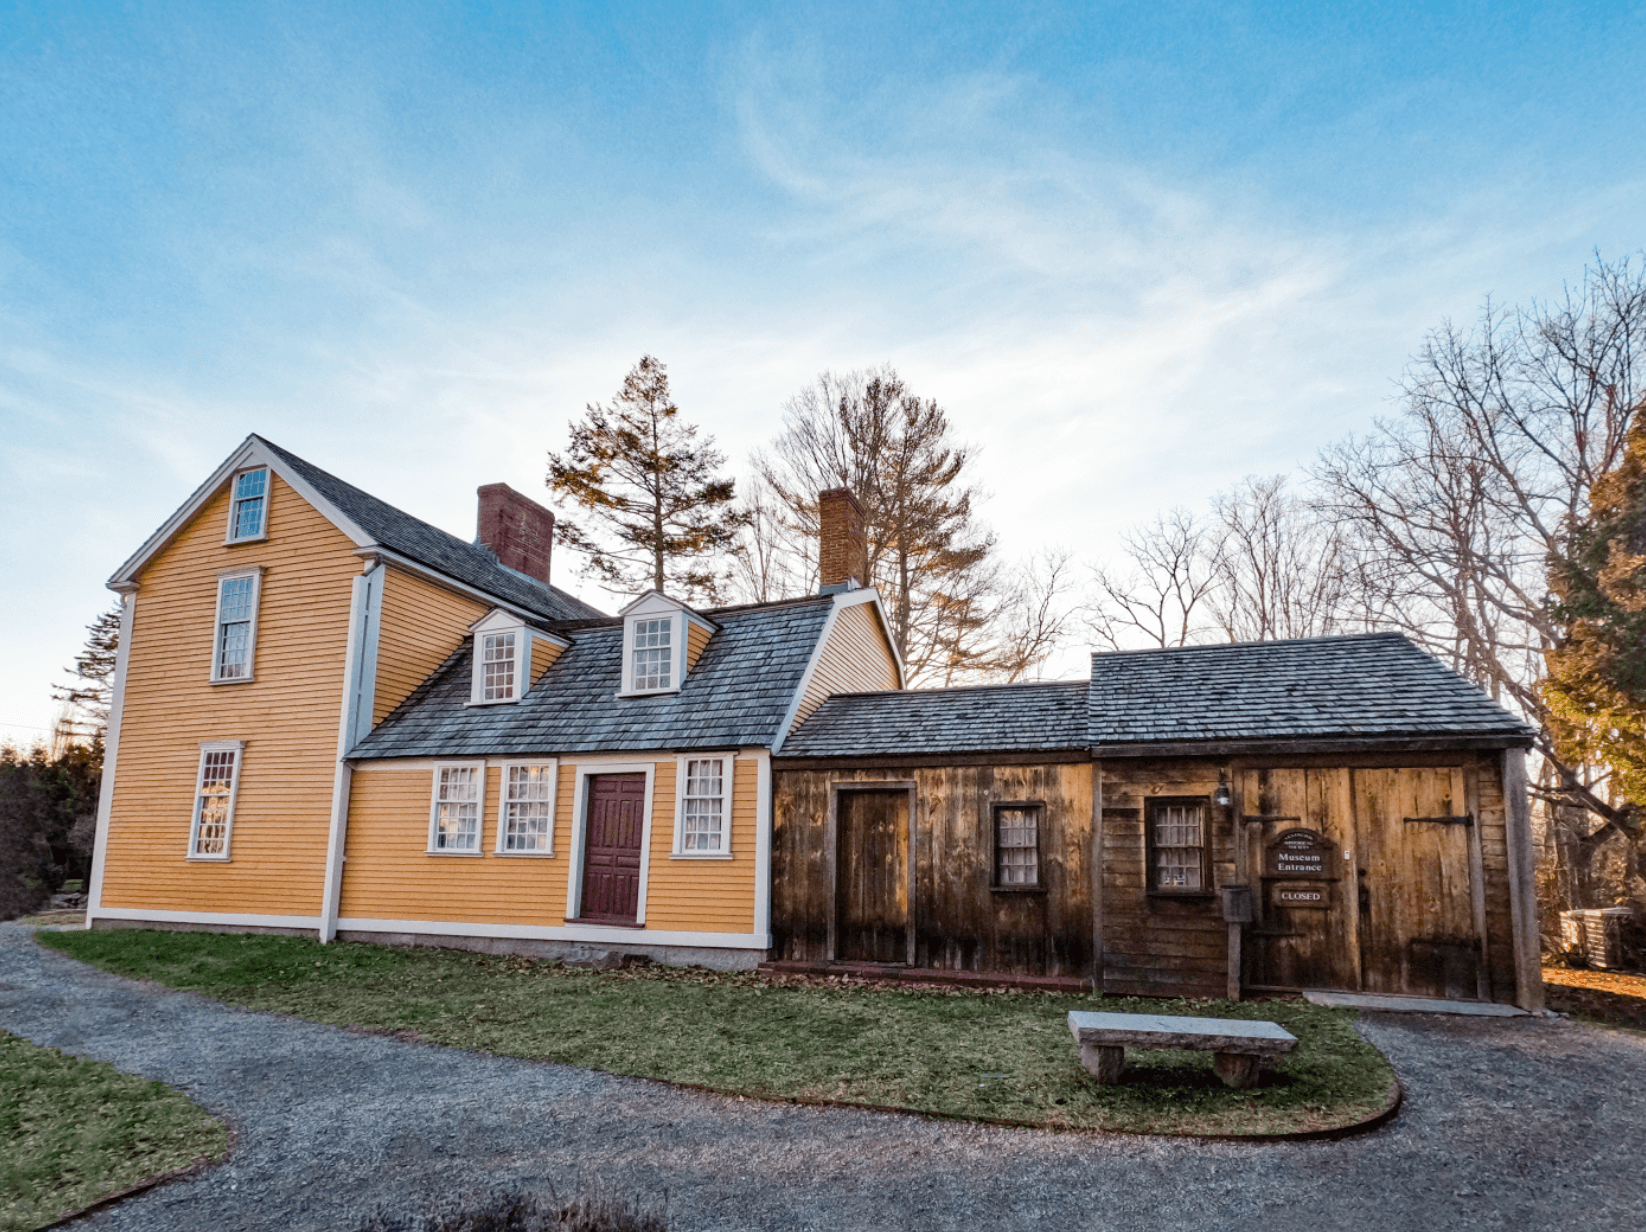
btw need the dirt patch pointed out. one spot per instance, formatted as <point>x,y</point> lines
<point>1611,998</point>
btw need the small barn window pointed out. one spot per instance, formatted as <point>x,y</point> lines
<point>1017,846</point>
<point>1177,846</point>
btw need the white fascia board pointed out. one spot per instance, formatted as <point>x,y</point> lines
<point>563,932</point>
<point>203,917</point>
<point>253,452</point>
<point>652,601</point>
<point>870,595</point>
<point>373,552</point>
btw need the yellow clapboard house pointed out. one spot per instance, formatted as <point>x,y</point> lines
<point>332,717</point>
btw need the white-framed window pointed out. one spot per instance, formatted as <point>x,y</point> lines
<point>234,637</point>
<point>249,506</point>
<point>703,816</point>
<point>455,811</point>
<point>651,655</point>
<point>216,784</point>
<point>1177,845</point>
<point>525,809</point>
<point>499,666</point>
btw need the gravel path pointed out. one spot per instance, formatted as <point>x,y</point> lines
<point>1508,1123</point>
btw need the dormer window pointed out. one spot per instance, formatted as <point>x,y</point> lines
<point>498,674</point>
<point>249,505</point>
<point>650,658</point>
<point>662,640</point>
<point>509,657</point>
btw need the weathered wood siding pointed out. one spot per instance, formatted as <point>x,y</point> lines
<point>856,659</point>
<point>287,715</point>
<point>1158,944</point>
<point>961,923</point>
<point>391,876</point>
<point>420,626</point>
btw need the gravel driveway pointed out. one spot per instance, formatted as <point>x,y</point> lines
<point>1509,1123</point>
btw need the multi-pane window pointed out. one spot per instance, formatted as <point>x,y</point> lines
<point>498,664</point>
<point>703,821</point>
<point>236,616</point>
<point>651,658</point>
<point>528,807</point>
<point>1017,845</point>
<point>1177,845</point>
<point>214,801</point>
<point>249,505</point>
<point>456,820</point>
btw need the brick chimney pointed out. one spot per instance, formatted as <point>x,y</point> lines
<point>518,530</point>
<point>843,552</point>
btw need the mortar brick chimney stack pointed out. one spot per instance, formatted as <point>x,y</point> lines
<point>843,552</point>
<point>517,529</point>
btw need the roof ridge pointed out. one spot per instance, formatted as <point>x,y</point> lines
<point>1384,634</point>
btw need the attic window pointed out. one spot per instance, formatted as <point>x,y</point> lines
<point>499,667</point>
<point>650,660</point>
<point>248,505</point>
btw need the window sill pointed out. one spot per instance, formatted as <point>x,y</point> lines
<point>448,851</point>
<point>530,855</point>
<point>233,679</point>
<point>584,920</point>
<point>702,855</point>
<point>1017,889</point>
<point>210,859</point>
<point>627,695</point>
<point>231,543</point>
<point>498,701</point>
<point>1189,895</point>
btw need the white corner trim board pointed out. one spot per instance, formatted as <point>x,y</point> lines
<point>563,932</point>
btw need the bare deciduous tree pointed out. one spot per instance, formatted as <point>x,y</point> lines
<point>1282,570</point>
<point>1164,598</point>
<point>1035,618</point>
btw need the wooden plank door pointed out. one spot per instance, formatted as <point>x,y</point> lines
<point>872,876</point>
<point>611,847</point>
<point>1305,932</point>
<point>1417,929</point>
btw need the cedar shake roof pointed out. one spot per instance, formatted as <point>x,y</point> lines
<point>429,545</point>
<point>988,718</point>
<point>1366,685</point>
<point>738,694</point>
<point>1322,688</point>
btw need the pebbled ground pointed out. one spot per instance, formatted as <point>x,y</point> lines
<point>1508,1123</point>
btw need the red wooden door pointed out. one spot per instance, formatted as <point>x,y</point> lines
<point>611,847</point>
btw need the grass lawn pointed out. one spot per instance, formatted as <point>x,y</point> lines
<point>968,1054</point>
<point>72,1130</point>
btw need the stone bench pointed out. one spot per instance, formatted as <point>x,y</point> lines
<point>1240,1048</point>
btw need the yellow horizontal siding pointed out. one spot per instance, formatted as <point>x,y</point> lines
<point>390,876</point>
<point>856,659</point>
<point>287,715</point>
<point>712,896</point>
<point>421,625</point>
<point>544,653</point>
<point>697,637</point>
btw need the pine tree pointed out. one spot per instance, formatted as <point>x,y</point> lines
<point>86,699</point>
<point>1596,687</point>
<point>661,515</point>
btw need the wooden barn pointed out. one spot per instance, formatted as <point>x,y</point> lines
<point>1337,813</point>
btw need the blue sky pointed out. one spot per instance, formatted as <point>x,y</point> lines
<point>1137,251</point>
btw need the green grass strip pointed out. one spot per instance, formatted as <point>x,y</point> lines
<point>73,1130</point>
<point>951,1053</point>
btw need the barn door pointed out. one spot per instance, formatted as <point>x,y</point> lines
<point>611,848</point>
<point>1297,825</point>
<point>872,877</point>
<point>1417,931</point>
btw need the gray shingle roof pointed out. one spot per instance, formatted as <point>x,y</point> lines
<point>990,718</point>
<point>431,546</point>
<point>738,694</point>
<point>1376,684</point>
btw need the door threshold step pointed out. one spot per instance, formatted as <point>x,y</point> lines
<point>1410,1005</point>
<point>904,974</point>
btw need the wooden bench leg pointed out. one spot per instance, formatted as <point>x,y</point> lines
<point>1238,1069</point>
<point>1105,1061</point>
